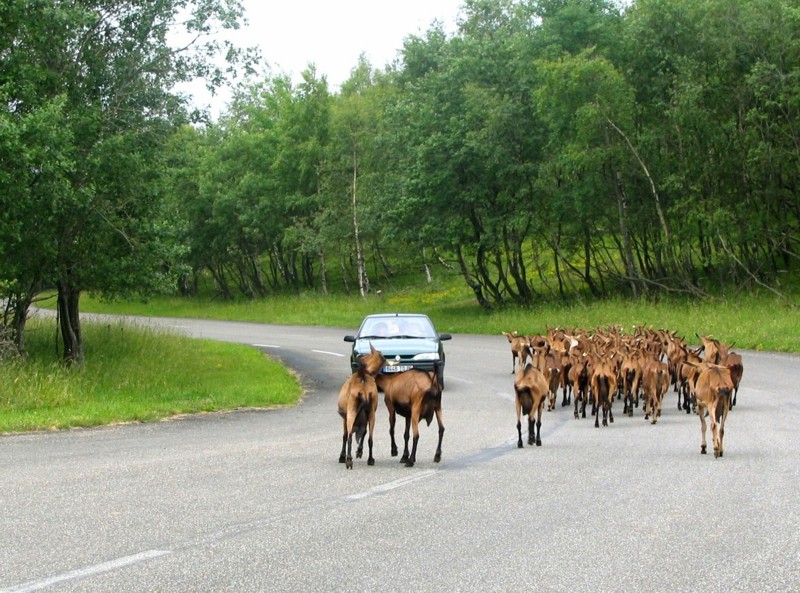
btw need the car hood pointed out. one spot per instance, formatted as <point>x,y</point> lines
<point>392,347</point>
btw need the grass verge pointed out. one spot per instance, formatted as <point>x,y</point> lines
<point>134,375</point>
<point>756,321</point>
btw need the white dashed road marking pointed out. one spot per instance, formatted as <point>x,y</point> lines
<point>85,572</point>
<point>383,488</point>
<point>326,352</point>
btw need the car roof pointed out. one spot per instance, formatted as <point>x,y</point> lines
<point>375,315</point>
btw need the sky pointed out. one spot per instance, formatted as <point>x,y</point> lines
<point>331,34</point>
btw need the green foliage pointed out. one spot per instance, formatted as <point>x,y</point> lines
<point>546,150</point>
<point>86,104</point>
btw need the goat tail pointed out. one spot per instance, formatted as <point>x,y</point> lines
<point>602,387</point>
<point>525,396</point>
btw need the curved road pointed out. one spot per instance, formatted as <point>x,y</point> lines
<point>256,500</point>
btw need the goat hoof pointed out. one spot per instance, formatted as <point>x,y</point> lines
<point>519,444</point>
<point>371,461</point>
<point>349,464</point>
<point>437,458</point>
<point>538,443</point>
<point>341,459</point>
<point>702,449</point>
<point>409,464</point>
<point>359,454</point>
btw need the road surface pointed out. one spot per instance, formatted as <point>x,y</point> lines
<point>257,501</point>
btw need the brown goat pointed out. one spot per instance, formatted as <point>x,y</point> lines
<point>415,395</point>
<point>358,401</point>
<point>604,386</point>
<point>710,348</point>
<point>687,375</point>
<point>655,382</point>
<point>531,389</point>
<point>733,361</point>
<point>579,376</point>
<point>519,350</point>
<point>552,373</point>
<point>675,350</point>
<point>538,346</point>
<point>713,392</point>
<point>630,373</point>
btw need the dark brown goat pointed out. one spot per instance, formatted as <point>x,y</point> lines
<point>416,395</point>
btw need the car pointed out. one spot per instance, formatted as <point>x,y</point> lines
<point>407,341</point>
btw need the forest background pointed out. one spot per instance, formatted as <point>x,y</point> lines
<point>547,150</point>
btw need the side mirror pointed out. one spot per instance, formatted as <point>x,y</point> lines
<point>445,337</point>
<point>349,338</point>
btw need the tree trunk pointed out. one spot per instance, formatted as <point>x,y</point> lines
<point>18,305</point>
<point>323,272</point>
<point>471,282</point>
<point>69,321</point>
<point>363,280</point>
<point>657,201</point>
<point>627,250</point>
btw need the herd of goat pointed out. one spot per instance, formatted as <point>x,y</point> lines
<point>598,366</point>
<point>587,367</point>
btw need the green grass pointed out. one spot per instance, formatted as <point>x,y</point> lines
<point>133,375</point>
<point>757,321</point>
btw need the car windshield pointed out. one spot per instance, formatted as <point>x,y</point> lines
<point>397,327</point>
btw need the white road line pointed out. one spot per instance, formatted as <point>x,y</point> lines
<point>326,352</point>
<point>383,488</point>
<point>460,380</point>
<point>508,396</point>
<point>265,346</point>
<point>85,572</point>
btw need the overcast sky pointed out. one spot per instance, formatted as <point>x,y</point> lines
<point>332,34</point>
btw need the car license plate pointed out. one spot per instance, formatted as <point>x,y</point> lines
<point>397,368</point>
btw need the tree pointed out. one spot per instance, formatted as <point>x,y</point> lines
<point>95,78</point>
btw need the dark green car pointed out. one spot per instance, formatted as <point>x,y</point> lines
<point>407,341</point>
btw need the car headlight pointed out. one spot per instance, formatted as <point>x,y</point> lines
<point>427,356</point>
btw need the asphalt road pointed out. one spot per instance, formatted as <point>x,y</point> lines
<point>257,501</point>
